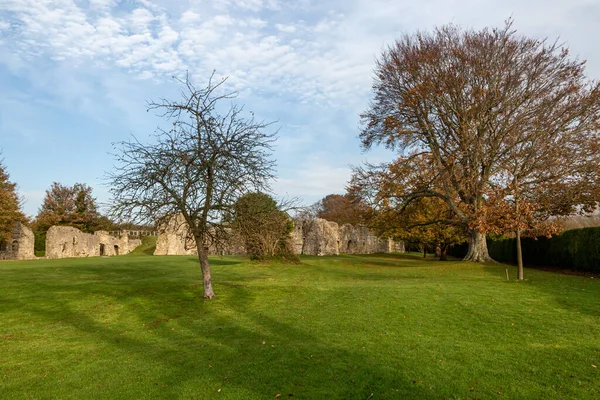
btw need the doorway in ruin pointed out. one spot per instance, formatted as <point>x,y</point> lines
<point>101,249</point>
<point>350,245</point>
<point>116,250</point>
<point>15,246</point>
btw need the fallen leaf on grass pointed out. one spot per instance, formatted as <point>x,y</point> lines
<point>219,391</point>
<point>278,395</point>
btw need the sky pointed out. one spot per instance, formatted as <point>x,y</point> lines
<point>75,75</point>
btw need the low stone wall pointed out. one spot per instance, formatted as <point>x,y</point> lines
<point>67,242</point>
<point>20,245</point>
<point>311,237</point>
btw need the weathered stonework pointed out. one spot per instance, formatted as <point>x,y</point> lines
<point>311,237</point>
<point>320,237</point>
<point>20,246</point>
<point>174,239</point>
<point>66,242</point>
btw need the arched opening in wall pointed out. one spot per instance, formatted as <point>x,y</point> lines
<point>350,246</point>
<point>15,246</point>
<point>3,245</point>
<point>116,250</point>
<point>101,249</point>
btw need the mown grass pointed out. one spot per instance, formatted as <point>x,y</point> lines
<point>147,246</point>
<point>348,327</point>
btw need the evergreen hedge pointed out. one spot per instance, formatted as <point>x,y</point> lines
<point>576,249</point>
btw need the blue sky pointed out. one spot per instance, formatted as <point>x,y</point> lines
<point>75,75</point>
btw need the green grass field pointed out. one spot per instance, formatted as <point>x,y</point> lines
<point>348,327</point>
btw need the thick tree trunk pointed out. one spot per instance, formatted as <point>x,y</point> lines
<point>443,253</point>
<point>424,251</point>
<point>519,256</point>
<point>205,267</point>
<point>478,251</point>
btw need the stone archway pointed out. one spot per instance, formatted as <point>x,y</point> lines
<point>116,250</point>
<point>102,251</point>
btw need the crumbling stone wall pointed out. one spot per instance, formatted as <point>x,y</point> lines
<point>20,245</point>
<point>312,237</point>
<point>66,242</point>
<point>320,237</point>
<point>174,238</point>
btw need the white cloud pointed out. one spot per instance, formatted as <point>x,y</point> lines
<point>310,61</point>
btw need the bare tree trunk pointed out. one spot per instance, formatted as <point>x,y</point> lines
<point>205,267</point>
<point>424,251</point>
<point>478,251</point>
<point>519,256</point>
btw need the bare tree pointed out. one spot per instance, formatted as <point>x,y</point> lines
<point>198,168</point>
<point>479,105</point>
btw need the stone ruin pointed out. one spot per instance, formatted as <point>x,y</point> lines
<point>66,242</point>
<point>320,237</point>
<point>175,239</point>
<point>19,246</point>
<point>311,237</point>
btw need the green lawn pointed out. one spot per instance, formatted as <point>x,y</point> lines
<point>348,327</point>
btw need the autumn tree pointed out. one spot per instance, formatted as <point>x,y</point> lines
<point>425,221</point>
<point>478,105</point>
<point>343,209</point>
<point>10,205</point>
<point>208,157</point>
<point>71,206</point>
<point>263,226</point>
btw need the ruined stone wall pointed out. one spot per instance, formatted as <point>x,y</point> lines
<point>311,237</point>
<point>320,237</point>
<point>174,239</point>
<point>20,245</point>
<point>66,242</point>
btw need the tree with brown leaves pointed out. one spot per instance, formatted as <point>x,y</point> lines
<point>10,205</point>
<point>343,209</point>
<point>483,105</point>
<point>426,221</point>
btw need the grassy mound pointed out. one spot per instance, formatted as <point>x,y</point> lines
<point>347,327</point>
<point>147,247</point>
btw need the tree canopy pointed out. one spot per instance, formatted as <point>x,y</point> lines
<point>343,209</point>
<point>10,205</point>
<point>483,116</point>
<point>70,205</point>
<point>262,225</point>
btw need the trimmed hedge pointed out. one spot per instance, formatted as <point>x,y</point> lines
<point>576,249</point>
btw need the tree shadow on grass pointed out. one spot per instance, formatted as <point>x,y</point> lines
<point>246,354</point>
<point>182,347</point>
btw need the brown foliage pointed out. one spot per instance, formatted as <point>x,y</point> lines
<point>70,205</point>
<point>489,117</point>
<point>10,205</point>
<point>343,209</point>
